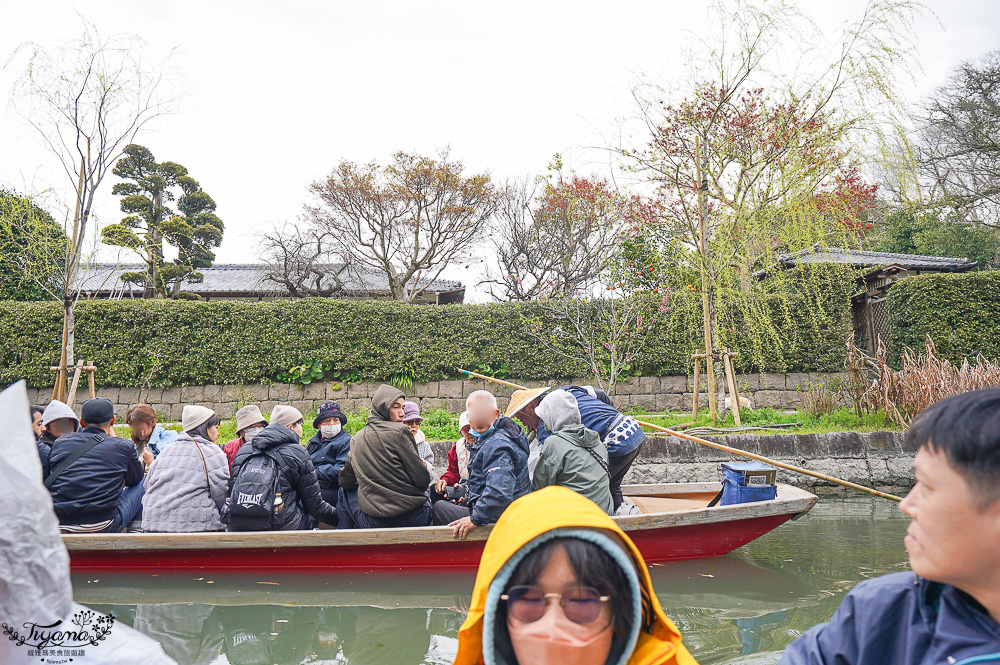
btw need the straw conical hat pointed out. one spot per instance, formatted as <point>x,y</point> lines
<point>522,398</point>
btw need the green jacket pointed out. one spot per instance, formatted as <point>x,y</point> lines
<point>566,460</point>
<point>383,463</point>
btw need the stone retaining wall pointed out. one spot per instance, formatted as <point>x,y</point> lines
<point>654,394</point>
<point>875,459</point>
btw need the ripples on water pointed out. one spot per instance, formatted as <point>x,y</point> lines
<point>742,608</point>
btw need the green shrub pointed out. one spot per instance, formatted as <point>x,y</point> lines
<point>959,312</point>
<point>177,343</point>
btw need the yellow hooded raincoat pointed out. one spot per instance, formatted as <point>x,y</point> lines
<point>557,508</point>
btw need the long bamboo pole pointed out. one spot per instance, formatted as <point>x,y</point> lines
<point>719,446</point>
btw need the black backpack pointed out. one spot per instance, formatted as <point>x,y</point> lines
<point>254,501</point>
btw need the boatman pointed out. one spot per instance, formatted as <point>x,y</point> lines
<point>948,609</point>
<point>620,433</point>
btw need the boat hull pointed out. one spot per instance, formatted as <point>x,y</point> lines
<point>662,537</point>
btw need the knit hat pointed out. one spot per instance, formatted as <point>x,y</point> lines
<point>97,411</point>
<point>286,415</point>
<point>249,415</point>
<point>329,410</point>
<point>194,415</point>
<point>56,410</point>
<point>411,412</point>
<point>463,421</point>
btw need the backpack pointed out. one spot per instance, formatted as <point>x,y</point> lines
<point>254,501</point>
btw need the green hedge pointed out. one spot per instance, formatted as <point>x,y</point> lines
<point>961,313</point>
<point>233,342</point>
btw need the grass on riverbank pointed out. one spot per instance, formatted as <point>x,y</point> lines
<point>439,425</point>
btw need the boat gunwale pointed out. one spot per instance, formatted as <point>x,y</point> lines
<point>795,502</point>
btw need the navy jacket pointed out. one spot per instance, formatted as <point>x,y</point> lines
<point>900,619</point>
<point>297,484</point>
<point>88,490</point>
<point>328,456</point>
<point>498,471</point>
<point>44,450</point>
<point>601,417</point>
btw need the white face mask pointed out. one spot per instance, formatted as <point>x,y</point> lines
<point>330,431</point>
<point>251,433</point>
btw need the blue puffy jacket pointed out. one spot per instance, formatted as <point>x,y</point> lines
<point>900,619</point>
<point>328,456</point>
<point>88,490</point>
<point>601,417</point>
<point>498,471</point>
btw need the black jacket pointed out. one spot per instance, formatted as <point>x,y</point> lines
<point>328,456</point>
<point>298,484</point>
<point>88,490</point>
<point>44,450</point>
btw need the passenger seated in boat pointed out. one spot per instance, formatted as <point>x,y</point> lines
<point>249,422</point>
<point>44,449</point>
<point>188,482</point>
<point>522,407</point>
<point>412,419</point>
<point>58,419</point>
<point>328,450</point>
<point>384,481</point>
<point>147,434</point>
<point>559,583</point>
<point>620,433</point>
<point>453,483</point>
<point>95,477</point>
<point>498,469</point>
<point>573,456</point>
<point>277,450</point>
<point>948,609</point>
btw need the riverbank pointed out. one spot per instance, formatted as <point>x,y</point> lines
<point>873,459</point>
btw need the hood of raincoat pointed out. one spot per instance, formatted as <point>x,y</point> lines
<point>557,410</point>
<point>382,400</point>
<point>526,522</point>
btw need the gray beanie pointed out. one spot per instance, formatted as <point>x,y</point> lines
<point>56,410</point>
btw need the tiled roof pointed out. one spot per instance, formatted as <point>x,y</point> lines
<point>238,280</point>
<point>865,259</point>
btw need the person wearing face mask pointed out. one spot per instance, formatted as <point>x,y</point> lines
<point>498,469</point>
<point>328,450</point>
<point>559,582</point>
<point>384,481</point>
<point>249,423</point>
<point>457,474</point>
<point>412,419</point>
<point>188,481</point>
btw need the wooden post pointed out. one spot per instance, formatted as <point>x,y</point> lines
<point>91,369</point>
<point>706,302</point>
<point>734,396</point>
<point>697,381</point>
<point>71,397</point>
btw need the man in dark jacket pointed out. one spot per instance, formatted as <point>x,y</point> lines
<point>328,449</point>
<point>297,482</point>
<point>498,470</point>
<point>384,481</point>
<point>101,490</point>
<point>948,609</point>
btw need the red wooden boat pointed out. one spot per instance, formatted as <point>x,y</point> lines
<point>675,524</point>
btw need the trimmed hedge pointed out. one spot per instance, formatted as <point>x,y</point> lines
<point>961,313</point>
<point>235,342</point>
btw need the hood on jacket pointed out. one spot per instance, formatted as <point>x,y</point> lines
<point>272,436</point>
<point>383,399</point>
<point>558,409</point>
<point>56,410</point>
<point>547,513</point>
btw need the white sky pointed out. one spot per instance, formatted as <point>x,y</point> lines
<point>279,92</point>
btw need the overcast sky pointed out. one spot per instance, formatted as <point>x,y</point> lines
<point>277,93</point>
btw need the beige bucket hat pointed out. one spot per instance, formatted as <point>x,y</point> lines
<point>522,398</point>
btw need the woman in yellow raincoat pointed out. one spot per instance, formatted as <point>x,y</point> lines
<point>558,584</point>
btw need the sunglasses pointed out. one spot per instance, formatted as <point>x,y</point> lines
<point>580,604</point>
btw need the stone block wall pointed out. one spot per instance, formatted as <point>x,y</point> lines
<point>654,394</point>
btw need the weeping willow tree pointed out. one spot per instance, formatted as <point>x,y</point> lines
<point>762,156</point>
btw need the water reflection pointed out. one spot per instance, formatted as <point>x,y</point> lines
<point>743,608</point>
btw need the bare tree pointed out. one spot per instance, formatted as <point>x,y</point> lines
<point>558,241</point>
<point>87,100</point>
<point>301,260</point>
<point>408,220</point>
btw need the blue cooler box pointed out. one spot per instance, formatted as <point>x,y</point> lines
<point>744,482</point>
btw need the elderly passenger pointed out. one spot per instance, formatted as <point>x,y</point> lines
<point>249,423</point>
<point>457,473</point>
<point>498,471</point>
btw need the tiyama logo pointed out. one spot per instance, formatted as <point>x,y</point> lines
<point>246,499</point>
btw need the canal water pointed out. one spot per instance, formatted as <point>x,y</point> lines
<point>742,608</point>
